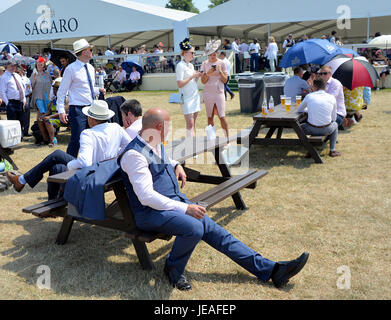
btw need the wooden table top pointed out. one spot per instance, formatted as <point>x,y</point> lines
<point>280,113</point>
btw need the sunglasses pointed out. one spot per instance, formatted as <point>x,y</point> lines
<point>323,73</point>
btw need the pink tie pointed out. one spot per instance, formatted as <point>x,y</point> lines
<point>21,94</point>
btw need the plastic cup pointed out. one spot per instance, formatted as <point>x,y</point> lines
<point>288,104</point>
<point>282,98</point>
<point>298,100</point>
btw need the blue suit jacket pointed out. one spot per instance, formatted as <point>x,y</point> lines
<point>85,190</point>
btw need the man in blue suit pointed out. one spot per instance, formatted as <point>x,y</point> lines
<point>151,180</point>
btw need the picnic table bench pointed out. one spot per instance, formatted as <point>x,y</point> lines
<point>279,120</point>
<point>119,215</point>
<point>5,153</point>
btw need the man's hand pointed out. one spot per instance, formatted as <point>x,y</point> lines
<point>63,118</point>
<point>180,173</point>
<point>195,211</point>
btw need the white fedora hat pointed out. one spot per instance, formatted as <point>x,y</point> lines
<point>81,45</point>
<point>212,46</point>
<point>99,110</point>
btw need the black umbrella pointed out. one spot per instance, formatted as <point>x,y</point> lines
<point>57,54</point>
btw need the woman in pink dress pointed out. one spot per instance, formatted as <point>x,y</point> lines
<point>214,75</point>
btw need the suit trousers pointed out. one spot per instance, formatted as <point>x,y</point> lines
<point>15,112</point>
<point>54,163</point>
<point>189,231</point>
<point>26,122</point>
<point>78,122</point>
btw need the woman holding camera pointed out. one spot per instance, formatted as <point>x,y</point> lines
<point>382,60</point>
<point>214,76</point>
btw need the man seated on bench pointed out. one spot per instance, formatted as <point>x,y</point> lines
<point>322,113</point>
<point>101,142</point>
<point>151,177</point>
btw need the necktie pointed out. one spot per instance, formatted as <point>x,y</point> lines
<point>21,94</point>
<point>90,82</point>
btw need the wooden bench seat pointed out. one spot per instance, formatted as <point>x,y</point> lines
<point>318,140</point>
<point>229,187</point>
<point>55,207</point>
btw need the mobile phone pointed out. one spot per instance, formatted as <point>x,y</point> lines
<point>214,66</point>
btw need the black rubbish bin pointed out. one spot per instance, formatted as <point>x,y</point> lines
<point>251,89</point>
<point>274,84</point>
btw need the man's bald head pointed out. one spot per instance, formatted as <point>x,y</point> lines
<point>153,117</point>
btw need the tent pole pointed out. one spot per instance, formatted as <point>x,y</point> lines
<point>268,30</point>
<point>108,41</point>
<point>368,28</point>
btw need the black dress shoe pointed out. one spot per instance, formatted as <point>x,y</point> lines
<point>287,269</point>
<point>182,284</point>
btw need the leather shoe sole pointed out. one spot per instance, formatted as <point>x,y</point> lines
<point>288,269</point>
<point>334,154</point>
<point>14,179</point>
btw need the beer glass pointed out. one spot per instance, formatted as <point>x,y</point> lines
<point>282,98</point>
<point>298,100</point>
<point>288,104</point>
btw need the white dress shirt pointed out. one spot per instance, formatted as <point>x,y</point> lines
<point>243,47</point>
<point>254,48</point>
<point>235,47</point>
<point>120,75</point>
<point>9,89</point>
<point>134,128</point>
<point>321,108</point>
<point>228,65</point>
<point>335,88</point>
<point>102,142</point>
<point>75,82</point>
<point>271,51</point>
<point>27,86</point>
<point>136,166</point>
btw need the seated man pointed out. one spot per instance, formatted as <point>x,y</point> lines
<point>132,117</point>
<point>101,142</point>
<point>119,78</point>
<point>322,113</point>
<point>296,85</point>
<point>134,79</point>
<point>151,177</point>
<point>335,88</point>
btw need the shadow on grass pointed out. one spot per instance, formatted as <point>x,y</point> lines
<point>98,262</point>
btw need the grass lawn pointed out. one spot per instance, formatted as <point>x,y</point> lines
<point>338,211</point>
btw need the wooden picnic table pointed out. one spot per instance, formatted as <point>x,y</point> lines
<point>279,120</point>
<point>119,215</point>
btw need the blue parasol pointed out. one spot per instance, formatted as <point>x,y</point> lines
<point>129,64</point>
<point>315,51</point>
<point>9,47</point>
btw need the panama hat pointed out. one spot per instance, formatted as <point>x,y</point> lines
<point>99,110</point>
<point>212,46</point>
<point>81,45</point>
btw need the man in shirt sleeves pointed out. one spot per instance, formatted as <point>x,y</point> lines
<point>132,117</point>
<point>12,93</point>
<point>322,114</point>
<point>151,181</point>
<point>101,142</point>
<point>78,81</point>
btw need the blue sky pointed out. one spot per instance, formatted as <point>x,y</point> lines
<point>202,5</point>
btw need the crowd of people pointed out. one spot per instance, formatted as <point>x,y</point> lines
<point>66,95</point>
<point>154,194</point>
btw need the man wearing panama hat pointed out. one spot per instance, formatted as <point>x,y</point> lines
<point>78,82</point>
<point>101,142</point>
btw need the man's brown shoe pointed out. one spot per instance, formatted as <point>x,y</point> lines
<point>14,179</point>
<point>335,154</point>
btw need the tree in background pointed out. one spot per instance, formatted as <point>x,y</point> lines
<point>215,3</point>
<point>184,5</point>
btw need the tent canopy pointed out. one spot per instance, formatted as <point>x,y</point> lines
<point>129,23</point>
<point>248,19</point>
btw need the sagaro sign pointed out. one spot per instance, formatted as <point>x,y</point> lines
<point>47,24</point>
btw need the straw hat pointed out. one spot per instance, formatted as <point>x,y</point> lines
<point>211,47</point>
<point>81,45</point>
<point>99,110</point>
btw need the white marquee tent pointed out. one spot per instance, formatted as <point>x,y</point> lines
<point>250,19</point>
<point>102,22</point>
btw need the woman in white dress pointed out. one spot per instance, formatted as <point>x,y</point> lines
<point>271,53</point>
<point>187,83</point>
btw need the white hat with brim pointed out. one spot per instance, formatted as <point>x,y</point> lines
<point>211,47</point>
<point>81,45</point>
<point>99,110</point>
